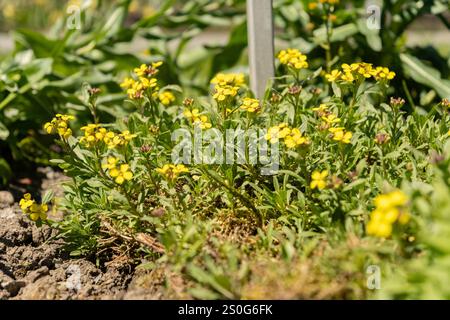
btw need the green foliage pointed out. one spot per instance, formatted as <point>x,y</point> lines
<point>128,195</point>
<point>227,230</point>
<point>43,75</point>
<point>425,276</point>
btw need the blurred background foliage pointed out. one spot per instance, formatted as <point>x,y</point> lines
<point>44,63</point>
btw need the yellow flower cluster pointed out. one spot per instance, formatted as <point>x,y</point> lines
<point>172,171</point>
<point>120,173</point>
<point>34,210</point>
<point>318,180</point>
<point>329,120</point>
<point>383,73</point>
<point>197,119</point>
<point>120,140</point>
<point>389,209</point>
<point>145,81</point>
<point>293,58</point>
<point>250,105</point>
<point>341,135</point>
<point>229,79</point>
<point>166,98</point>
<point>292,136</point>
<point>295,139</point>
<point>358,72</point>
<point>59,124</point>
<point>227,85</point>
<point>94,134</point>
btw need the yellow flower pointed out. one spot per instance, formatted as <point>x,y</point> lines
<point>121,173</point>
<point>145,74</point>
<point>379,228</point>
<point>250,105</point>
<point>191,115</point>
<point>136,91</point>
<point>121,139</point>
<point>350,68</point>
<point>333,76</point>
<point>364,69</point>
<point>109,137</point>
<point>172,171</point>
<point>146,83</point>
<point>318,180</point>
<point>229,79</point>
<point>157,64</point>
<point>398,198</point>
<point>331,119</point>
<point>360,71</point>
<point>203,123</point>
<point>348,77</point>
<point>26,201</point>
<point>94,134</point>
<point>321,110</point>
<point>166,98</point>
<point>382,73</point>
<point>59,125</point>
<point>127,83</point>
<point>277,132</point>
<point>339,134</point>
<point>127,135</point>
<point>389,209</point>
<point>110,163</point>
<point>34,210</point>
<point>147,71</point>
<point>142,71</point>
<point>295,139</point>
<point>221,93</point>
<point>293,58</point>
<point>197,119</point>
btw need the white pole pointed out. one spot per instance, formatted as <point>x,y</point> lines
<point>260,44</point>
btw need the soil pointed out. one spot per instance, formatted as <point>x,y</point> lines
<point>33,264</point>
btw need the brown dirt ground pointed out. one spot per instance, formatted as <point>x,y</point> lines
<point>33,265</point>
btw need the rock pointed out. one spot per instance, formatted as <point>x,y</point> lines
<point>34,275</point>
<point>6,198</point>
<point>41,234</point>
<point>22,259</point>
<point>10,285</point>
<point>14,229</point>
<point>45,288</point>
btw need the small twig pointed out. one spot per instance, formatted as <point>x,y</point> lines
<point>142,238</point>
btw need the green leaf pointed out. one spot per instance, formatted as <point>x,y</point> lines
<point>48,196</point>
<point>425,75</point>
<point>38,69</point>
<point>339,34</point>
<point>41,45</point>
<point>372,36</point>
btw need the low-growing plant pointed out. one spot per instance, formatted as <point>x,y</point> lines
<point>344,163</point>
